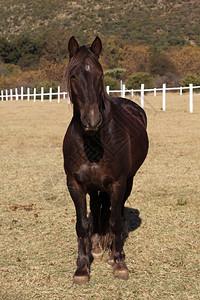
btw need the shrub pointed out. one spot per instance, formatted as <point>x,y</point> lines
<point>160,64</point>
<point>8,69</point>
<point>134,81</point>
<point>3,70</point>
<point>17,78</point>
<point>191,78</point>
<point>170,79</point>
<point>111,82</point>
<point>115,73</point>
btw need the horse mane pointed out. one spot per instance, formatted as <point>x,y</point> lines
<point>83,53</point>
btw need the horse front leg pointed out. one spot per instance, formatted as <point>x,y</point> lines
<point>78,195</point>
<point>117,257</point>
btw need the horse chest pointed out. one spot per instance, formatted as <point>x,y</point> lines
<point>94,176</point>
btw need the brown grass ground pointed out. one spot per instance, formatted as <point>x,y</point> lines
<point>38,246</point>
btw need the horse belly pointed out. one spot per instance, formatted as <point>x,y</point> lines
<point>138,152</point>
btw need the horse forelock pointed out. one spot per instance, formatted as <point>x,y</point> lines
<point>79,58</point>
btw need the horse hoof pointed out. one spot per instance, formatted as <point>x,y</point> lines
<point>81,276</point>
<point>81,279</point>
<point>120,271</point>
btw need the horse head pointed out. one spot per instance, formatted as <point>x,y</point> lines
<point>85,83</point>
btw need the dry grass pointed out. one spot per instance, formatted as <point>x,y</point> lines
<point>38,245</point>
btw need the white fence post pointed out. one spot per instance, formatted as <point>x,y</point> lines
<point>164,97</point>
<point>108,89</point>
<point>68,98</point>
<point>1,95</point>
<point>42,94</point>
<point>50,94</point>
<point>22,92</point>
<point>181,91</point>
<point>154,91</point>
<point>34,94</point>
<point>28,94</point>
<point>132,93</point>
<point>123,91</point>
<point>16,94</point>
<point>142,95</point>
<point>6,95</point>
<point>58,94</point>
<point>191,98</point>
<point>11,95</point>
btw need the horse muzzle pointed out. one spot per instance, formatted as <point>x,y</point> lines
<point>91,123</point>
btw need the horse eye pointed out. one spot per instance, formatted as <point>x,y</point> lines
<point>72,77</point>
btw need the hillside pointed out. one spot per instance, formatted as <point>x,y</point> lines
<point>163,23</point>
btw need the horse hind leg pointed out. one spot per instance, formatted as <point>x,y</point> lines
<point>118,196</point>
<point>128,189</point>
<point>107,237</point>
<point>129,184</point>
<point>97,252</point>
<point>96,243</point>
<point>105,213</point>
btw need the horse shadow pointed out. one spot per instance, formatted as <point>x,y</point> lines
<point>132,221</point>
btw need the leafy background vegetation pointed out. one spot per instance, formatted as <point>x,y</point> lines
<point>157,37</point>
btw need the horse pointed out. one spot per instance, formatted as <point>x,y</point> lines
<point>105,144</point>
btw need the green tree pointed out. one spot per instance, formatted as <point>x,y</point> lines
<point>28,50</point>
<point>110,54</point>
<point>5,49</point>
<point>160,64</point>
<point>23,50</point>
<point>56,45</point>
<point>115,73</point>
<point>134,58</point>
<point>134,81</point>
<point>191,78</point>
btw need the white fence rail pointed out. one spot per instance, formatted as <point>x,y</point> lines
<point>123,91</point>
<point>35,95</point>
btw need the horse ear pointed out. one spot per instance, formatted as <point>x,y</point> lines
<point>96,46</point>
<point>72,46</point>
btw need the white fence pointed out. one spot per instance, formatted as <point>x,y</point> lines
<point>15,95</point>
<point>164,89</point>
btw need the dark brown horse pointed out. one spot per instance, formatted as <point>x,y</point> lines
<point>104,146</point>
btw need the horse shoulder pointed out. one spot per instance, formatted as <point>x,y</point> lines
<point>72,147</point>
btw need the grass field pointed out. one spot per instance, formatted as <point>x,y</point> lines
<point>38,245</point>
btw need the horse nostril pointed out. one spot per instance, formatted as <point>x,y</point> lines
<point>100,120</point>
<point>97,121</point>
<point>85,121</point>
